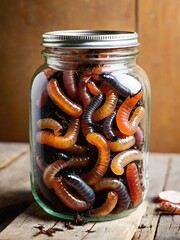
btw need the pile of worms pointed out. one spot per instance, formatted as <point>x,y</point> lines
<point>88,141</point>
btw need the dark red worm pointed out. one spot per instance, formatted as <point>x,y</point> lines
<point>69,83</point>
<point>85,192</point>
<point>62,142</point>
<point>83,91</point>
<point>103,160</point>
<point>67,197</point>
<point>110,183</point>
<point>134,184</point>
<point>61,100</point>
<point>107,126</point>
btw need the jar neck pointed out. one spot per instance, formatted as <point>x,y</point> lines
<point>65,59</point>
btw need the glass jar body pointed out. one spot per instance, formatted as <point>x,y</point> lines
<point>89,118</point>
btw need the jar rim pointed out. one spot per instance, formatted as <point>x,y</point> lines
<point>90,39</point>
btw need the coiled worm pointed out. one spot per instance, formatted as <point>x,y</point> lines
<point>81,187</point>
<point>110,183</point>
<point>126,125</point>
<point>62,142</point>
<point>107,126</point>
<point>61,100</point>
<point>103,160</point>
<point>123,158</point>
<point>107,108</point>
<point>53,168</point>
<point>106,207</point>
<point>50,123</point>
<point>134,184</point>
<point>67,197</point>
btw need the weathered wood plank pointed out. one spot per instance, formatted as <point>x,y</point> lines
<point>9,152</point>
<point>158,167</point>
<point>14,188</point>
<point>169,224</point>
<point>23,226</point>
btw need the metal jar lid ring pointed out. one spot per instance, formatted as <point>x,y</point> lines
<point>90,39</point>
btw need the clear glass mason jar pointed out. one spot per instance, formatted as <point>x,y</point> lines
<point>89,125</point>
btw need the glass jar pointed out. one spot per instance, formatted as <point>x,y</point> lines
<point>89,125</point>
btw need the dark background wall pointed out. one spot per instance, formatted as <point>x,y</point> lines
<point>22,23</point>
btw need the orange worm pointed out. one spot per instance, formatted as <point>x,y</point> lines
<point>110,183</point>
<point>53,168</point>
<point>123,158</point>
<point>62,142</point>
<point>51,124</point>
<point>123,143</point>
<point>93,88</point>
<point>134,184</point>
<point>67,197</point>
<point>126,125</point>
<point>107,108</point>
<point>106,207</point>
<point>69,83</point>
<point>103,160</point>
<point>61,100</point>
<point>170,207</point>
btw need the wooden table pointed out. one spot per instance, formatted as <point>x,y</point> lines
<point>19,213</point>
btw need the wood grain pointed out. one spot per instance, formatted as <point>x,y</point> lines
<point>158,24</point>
<point>22,23</point>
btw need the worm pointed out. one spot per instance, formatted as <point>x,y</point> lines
<point>40,163</point>
<point>83,91</point>
<point>93,88</point>
<point>81,187</point>
<point>107,126</point>
<point>123,143</point>
<point>115,84</point>
<point>69,83</point>
<point>123,158</point>
<point>106,207</point>
<point>62,142</point>
<point>41,101</point>
<point>77,150</point>
<point>107,108</point>
<point>53,168</point>
<point>110,183</point>
<point>134,184</point>
<point>139,137</point>
<point>170,207</point>
<point>103,160</point>
<point>125,125</point>
<point>48,72</point>
<point>62,101</point>
<point>87,124</point>
<point>50,123</point>
<point>67,197</point>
